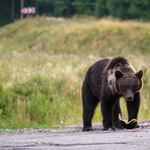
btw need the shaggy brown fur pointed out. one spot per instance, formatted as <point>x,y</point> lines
<point>106,81</point>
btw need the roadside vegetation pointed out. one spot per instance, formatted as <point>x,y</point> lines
<point>43,61</point>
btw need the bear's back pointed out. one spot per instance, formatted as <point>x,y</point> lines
<point>93,78</point>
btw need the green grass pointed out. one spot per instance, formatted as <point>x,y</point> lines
<point>43,63</point>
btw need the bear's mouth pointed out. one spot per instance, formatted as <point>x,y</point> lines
<point>129,98</point>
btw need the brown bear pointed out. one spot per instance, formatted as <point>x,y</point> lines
<point>106,81</point>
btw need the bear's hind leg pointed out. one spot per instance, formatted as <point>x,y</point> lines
<point>106,108</point>
<point>89,105</point>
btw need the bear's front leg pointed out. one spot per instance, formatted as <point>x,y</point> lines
<point>115,113</point>
<point>133,107</point>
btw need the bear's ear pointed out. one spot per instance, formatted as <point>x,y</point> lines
<point>118,74</point>
<point>139,74</point>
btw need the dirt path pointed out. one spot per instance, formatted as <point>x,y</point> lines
<point>71,137</point>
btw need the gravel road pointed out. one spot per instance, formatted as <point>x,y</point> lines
<point>71,137</point>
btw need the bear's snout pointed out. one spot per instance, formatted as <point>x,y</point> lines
<point>129,98</point>
<point>129,95</point>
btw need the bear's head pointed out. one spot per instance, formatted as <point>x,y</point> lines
<point>127,84</point>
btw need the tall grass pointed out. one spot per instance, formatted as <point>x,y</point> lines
<point>43,62</point>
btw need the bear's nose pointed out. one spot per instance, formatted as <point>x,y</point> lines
<point>129,98</point>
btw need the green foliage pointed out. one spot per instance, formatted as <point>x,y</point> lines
<point>59,9</point>
<point>34,85</point>
<point>139,9</point>
<point>84,7</point>
<point>118,9</point>
<point>101,9</point>
<point>36,100</point>
<point>126,9</point>
<point>5,15</point>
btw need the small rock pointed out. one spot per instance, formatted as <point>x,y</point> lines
<point>7,130</point>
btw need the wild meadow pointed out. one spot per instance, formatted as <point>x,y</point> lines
<point>43,62</point>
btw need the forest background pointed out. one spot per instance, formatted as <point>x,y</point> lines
<point>124,9</point>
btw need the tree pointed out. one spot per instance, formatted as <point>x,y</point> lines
<point>126,9</point>
<point>84,7</point>
<point>119,8</point>
<point>101,9</point>
<point>140,9</point>
<point>5,14</point>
